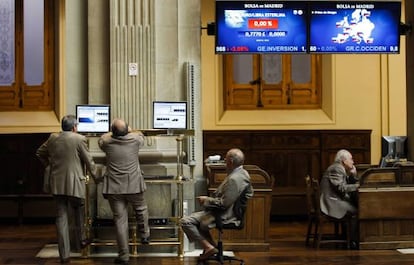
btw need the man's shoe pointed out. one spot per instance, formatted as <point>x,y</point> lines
<point>145,240</point>
<point>85,243</point>
<point>354,245</point>
<point>65,261</point>
<point>206,254</point>
<point>118,260</point>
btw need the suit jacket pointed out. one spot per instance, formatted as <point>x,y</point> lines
<point>338,191</point>
<point>123,172</point>
<point>228,192</point>
<point>64,155</point>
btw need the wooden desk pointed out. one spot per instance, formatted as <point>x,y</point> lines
<point>386,209</point>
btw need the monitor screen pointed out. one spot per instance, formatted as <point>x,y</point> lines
<point>394,147</point>
<point>170,115</point>
<point>261,27</point>
<point>93,118</point>
<point>369,27</point>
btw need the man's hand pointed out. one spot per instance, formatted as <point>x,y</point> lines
<point>202,199</point>
<point>98,179</point>
<point>353,171</point>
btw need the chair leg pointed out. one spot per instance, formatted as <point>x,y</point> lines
<point>348,233</point>
<point>336,230</point>
<point>309,231</point>
<point>316,234</point>
<point>220,257</point>
<point>319,236</point>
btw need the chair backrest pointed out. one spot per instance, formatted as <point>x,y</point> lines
<point>310,202</point>
<point>316,195</point>
<point>240,206</point>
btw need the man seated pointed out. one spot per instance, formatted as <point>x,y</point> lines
<point>197,226</point>
<point>339,186</point>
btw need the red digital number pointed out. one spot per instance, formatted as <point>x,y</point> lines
<point>263,23</point>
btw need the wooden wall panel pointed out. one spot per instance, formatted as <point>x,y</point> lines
<point>386,209</point>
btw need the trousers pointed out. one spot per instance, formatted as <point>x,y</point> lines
<point>67,206</point>
<point>119,206</point>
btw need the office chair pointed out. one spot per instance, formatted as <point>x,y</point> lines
<point>239,209</point>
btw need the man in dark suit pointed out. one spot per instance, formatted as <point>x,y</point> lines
<point>197,225</point>
<point>339,186</point>
<point>64,154</point>
<point>124,183</point>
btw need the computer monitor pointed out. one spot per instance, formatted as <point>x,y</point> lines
<point>170,115</point>
<point>393,149</point>
<point>93,119</point>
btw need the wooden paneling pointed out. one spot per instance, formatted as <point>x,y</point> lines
<point>288,156</point>
<point>389,202</point>
<point>21,180</point>
<point>386,208</point>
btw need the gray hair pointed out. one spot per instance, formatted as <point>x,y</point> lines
<point>236,155</point>
<point>342,155</point>
<point>69,122</point>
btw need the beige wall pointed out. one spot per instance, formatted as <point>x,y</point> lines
<point>360,92</point>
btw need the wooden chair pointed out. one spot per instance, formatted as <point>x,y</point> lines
<point>322,221</point>
<point>311,211</point>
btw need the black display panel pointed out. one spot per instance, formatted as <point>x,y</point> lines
<point>354,27</point>
<point>93,118</point>
<point>261,27</point>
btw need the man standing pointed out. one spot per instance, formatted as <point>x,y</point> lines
<point>124,183</point>
<point>339,186</point>
<point>197,225</point>
<point>64,155</point>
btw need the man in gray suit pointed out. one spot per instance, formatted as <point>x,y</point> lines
<point>64,155</point>
<point>124,183</point>
<point>197,225</point>
<point>339,186</point>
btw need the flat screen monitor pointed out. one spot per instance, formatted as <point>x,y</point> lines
<point>394,147</point>
<point>93,118</point>
<point>366,27</point>
<point>261,27</point>
<point>169,115</point>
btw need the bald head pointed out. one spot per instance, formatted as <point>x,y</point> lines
<point>234,158</point>
<point>119,127</point>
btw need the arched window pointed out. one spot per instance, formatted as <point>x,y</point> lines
<point>272,81</point>
<point>26,55</point>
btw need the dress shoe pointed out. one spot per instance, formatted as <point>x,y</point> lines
<point>145,240</point>
<point>118,260</point>
<point>65,261</point>
<point>208,253</point>
<point>354,245</point>
<point>85,243</point>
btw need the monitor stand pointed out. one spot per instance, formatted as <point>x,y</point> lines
<point>170,132</point>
